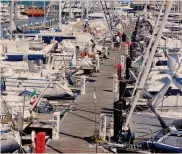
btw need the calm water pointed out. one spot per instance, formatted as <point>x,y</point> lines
<point>29,3</point>
<point>23,22</point>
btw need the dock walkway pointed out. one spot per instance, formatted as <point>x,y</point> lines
<point>79,124</point>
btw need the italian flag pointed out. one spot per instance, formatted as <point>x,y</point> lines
<point>33,97</point>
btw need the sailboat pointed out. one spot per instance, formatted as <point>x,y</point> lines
<point>143,80</point>
<point>10,138</point>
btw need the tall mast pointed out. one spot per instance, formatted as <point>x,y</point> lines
<point>148,66</point>
<point>11,19</point>
<point>15,14</point>
<point>70,11</point>
<point>60,14</point>
<point>82,5</point>
<point>112,13</point>
<point>44,13</point>
<point>87,7</point>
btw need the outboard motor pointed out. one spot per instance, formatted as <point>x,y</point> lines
<point>126,137</point>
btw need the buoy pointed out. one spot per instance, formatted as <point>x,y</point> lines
<point>40,142</point>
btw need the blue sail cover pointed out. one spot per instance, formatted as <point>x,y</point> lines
<point>20,57</point>
<point>47,39</point>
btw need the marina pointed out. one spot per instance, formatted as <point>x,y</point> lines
<point>91,76</point>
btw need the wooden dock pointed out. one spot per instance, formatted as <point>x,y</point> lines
<point>79,124</point>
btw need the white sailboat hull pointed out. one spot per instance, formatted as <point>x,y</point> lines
<point>9,145</point>
<point>146,125</point>
<point>55,89</point>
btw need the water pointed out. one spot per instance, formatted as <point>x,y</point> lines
<point>23,22</point>
<point>29,3</point>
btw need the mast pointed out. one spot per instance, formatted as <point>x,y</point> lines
<point>87,7</point>
<point>60,14</point>
<point>16,13</point>
<point>11,19</point>
<point>112,13</point>
<point>82,5</point>
<point>104,10</point>
<point>148,66</point>
<point>44,14</point>
<point>70,11</point>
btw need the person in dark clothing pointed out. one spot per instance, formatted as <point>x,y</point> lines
<point>114,41</point>
<point>93,45</point>
<point>124,37</point>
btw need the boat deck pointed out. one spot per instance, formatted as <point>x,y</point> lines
<point>79,124</point>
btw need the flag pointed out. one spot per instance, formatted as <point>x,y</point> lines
<point>140,62</point>
<point>94,96</point>
<point>33,97</point>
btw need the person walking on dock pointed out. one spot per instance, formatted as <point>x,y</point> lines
<point>93,45</point>
<point>118,42</point>
<point>114,42</point>
<point>124,37</point>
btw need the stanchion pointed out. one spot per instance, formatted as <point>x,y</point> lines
<point>126,50</point>
<point>55,129</point>
<point>102,128</point>
<point>115,87</point>
<point>82,84</point>
<point>123,64</point>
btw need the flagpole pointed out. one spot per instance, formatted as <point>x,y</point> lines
<point>22,120</point>
<point>95,120</point>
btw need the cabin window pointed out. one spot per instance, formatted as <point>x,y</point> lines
<point>161,63</point>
